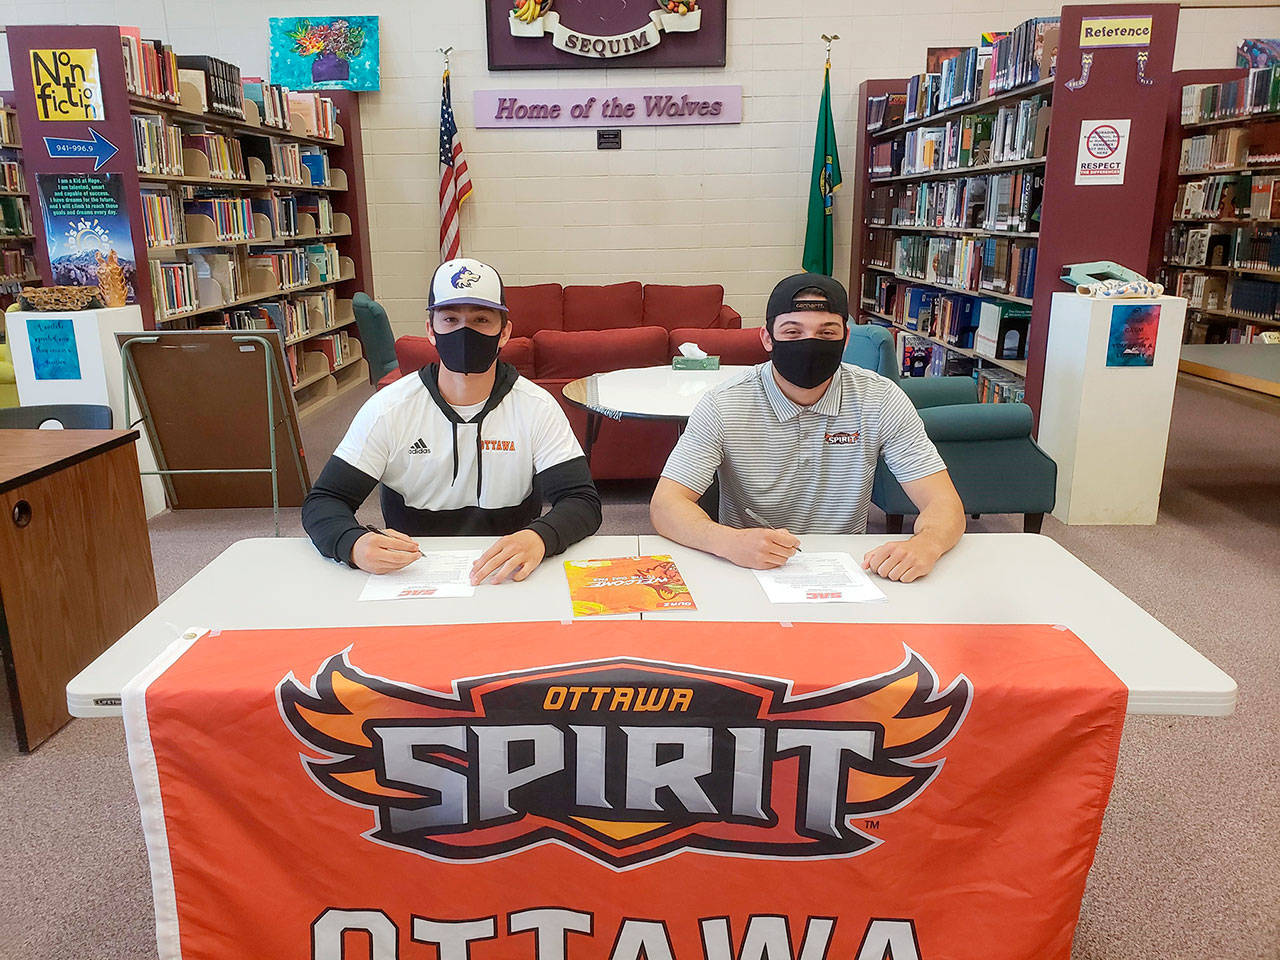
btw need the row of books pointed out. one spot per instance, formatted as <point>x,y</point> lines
<point>1027,55</point>
<point>225,154</point>
<point>8,127</point>
<point>232,216</point>
<point>1219,197</point>
<point>1259,92</point>
<point>287,264</point>
<point>318,114</point>
<point>1255,299</point>
<point>218,82</point>
<point>1016,132</point>
<point>173,286</point>
<point>289,160</point>
<point>11,177</point>
<point>1202,291</point>
<point>220,277</point>
<point>1000,386</point>
<point>272,100</point>
<point>973,265</point>
<point>15,264</point>
<point>1255,250</point>
<point>1202,329</point>
<point>150,67</point>
<point>947,316</point>
<point>157,144</point>
<point>1230,148</point>
<point>324,257</point>
<point>162,219</point>
<point>15,217</point>
<point>1004,201</point>
<point>886,110</point>
<point>335,346</point>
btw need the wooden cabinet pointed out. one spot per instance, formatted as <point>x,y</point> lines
<point>75,563</point>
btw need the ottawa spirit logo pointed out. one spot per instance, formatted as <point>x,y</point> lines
<point>626,760</point>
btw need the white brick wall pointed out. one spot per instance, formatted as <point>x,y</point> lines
<point>718,204</point>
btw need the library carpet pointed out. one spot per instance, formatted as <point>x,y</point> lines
<point>1188,857</point>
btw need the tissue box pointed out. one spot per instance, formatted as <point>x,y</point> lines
<point>695,363</point>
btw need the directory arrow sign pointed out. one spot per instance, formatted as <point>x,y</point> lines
<point>100,148</point>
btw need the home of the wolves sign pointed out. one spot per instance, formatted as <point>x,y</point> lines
<point>560,34</point>
<point>623,790</point>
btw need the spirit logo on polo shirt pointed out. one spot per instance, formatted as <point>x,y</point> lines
<point>625,761</point>
<point>843,438</point>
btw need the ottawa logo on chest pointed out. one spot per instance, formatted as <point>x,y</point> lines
<point>624,760</point>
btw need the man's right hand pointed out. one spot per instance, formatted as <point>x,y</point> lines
<point>758,548</point>
<point>379,553</point>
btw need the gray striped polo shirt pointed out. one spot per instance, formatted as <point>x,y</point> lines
<point>808,469</point>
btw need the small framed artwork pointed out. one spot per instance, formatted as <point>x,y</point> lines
<point>1133,335</point>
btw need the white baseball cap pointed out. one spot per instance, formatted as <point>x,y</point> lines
<point>463,280</point>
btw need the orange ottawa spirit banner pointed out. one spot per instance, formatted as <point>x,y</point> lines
<point>623,791</point>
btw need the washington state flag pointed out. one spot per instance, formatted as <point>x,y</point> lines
<point>818,242</point>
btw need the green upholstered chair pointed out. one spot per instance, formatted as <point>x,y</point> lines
<point>987,447</point>
<point>8,382</point>
<point>376,338</point>
<point>870,346</point>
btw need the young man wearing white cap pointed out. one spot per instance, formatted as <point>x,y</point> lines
<point>795,443</point>
<point>465,447</point>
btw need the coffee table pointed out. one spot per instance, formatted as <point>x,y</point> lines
<point>642,393</point>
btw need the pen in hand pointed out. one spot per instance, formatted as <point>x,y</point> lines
<point>756,518</point>
<point>382,533</point>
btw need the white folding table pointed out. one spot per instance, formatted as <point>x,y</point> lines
<point>988,578</point>
<point>270,583</point>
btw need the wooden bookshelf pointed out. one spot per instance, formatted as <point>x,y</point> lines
<point>1013,366</point>
<point>11,284</point>
<point>1207,324</point>
<point>1076,223</point>
<point>344,193</point>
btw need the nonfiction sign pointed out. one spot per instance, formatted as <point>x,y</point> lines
<point>606,107</point>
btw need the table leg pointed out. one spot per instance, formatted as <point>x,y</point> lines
<point>593,431</point>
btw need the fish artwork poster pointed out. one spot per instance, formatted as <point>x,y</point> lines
<point>85,221</point>
<point>1133,335</point>
<point>325,53</point>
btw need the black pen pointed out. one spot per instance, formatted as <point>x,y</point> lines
<point>751,514</point>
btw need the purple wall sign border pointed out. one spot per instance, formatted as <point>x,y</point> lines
<point>608,107</point>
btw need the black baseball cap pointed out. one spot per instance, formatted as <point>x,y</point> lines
<point>783,299</point>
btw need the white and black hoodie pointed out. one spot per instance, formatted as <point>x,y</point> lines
<point>482,470</point>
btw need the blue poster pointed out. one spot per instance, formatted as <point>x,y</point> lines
<point>1134,327</point>
<point>53,348</point>
<point>85,221</point>
<point>325,53</point>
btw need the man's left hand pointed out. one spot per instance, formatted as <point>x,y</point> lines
<point>513,557</point>
<point>904,560</point>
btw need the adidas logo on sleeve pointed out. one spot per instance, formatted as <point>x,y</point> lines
<point>418,446</point>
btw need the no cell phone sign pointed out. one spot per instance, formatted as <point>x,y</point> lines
<point>1104,146</point>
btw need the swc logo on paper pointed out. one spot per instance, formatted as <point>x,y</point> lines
<point>625,761</point>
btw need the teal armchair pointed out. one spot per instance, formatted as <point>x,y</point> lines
<point>870,346</point>
<point>375,336</point>
<point>988,450</point>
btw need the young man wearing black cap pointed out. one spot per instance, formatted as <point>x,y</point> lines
<point>795,443</point>
<point>465,447</point>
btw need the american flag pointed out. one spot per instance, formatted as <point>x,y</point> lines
<point>455,182</point>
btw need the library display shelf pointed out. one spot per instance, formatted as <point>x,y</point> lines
<point>1244,168</point>
<point>256,298</point>
<point>1229,268</point>
<point>240,184</point>
<point>977,106</point>
<point>993,294</point>
<point>311,334</point>
<point>1231,121</point>
<point>1013,366</point>
<point>955,231</point>
<point>183,113</point>
<point>161,250</point>
<point>956,172</point>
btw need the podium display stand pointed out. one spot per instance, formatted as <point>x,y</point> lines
<point>72,357</point>
<point>1109,375</point>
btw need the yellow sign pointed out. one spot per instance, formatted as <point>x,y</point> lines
<point>67,84</point>
<point>1115,32</point>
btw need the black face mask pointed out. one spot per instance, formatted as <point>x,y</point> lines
<point>467,351</point>
<point>807,362</point>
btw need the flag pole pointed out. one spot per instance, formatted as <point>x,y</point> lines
<point>830,39</point>
<point>445,51</point>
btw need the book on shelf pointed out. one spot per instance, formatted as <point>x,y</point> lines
<point>317,113</point>
<point>321,210</point>
<point>11,177</point>
<point>969,264</point>
<point>272,100</point>
<point>316,161</point>
<point>286,164</point>
<point>150,67</point>
<point>1217,197</point>
<point>999,386</point>
<point>162,218</point>
<point>15,264</point>
<point>287,264</point>
<point>232,216</point>
<point>8,128</point>
<point>224,153</point>
<point>324,257</point>
<point>281,210</point>
<point>885,111</point>
<point>1258,250</point>
<point>1259,92</point>
<point>1026,55</point>
<point>1254,299</point>
<point>218,81</point>
<point>15,217</point>
<point>1002,330</point>
<point>158,145</point>
<point>173,287</point>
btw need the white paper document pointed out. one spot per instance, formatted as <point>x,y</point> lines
<point>819,578</point>
<point>440,573</point>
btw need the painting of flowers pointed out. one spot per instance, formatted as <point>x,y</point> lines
<point>317,53</point>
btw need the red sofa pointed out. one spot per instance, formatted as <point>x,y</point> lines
<point>563,333</point>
